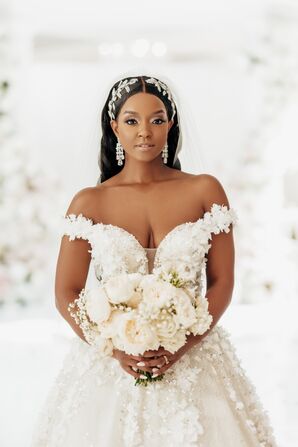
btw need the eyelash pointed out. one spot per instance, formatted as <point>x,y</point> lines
<point>132,119</point>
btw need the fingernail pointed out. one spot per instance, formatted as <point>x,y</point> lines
<point>155,370</point>
<point>142,376</point>
<point>154,375</point>
<point>141,364</point>
<point>135,369</point>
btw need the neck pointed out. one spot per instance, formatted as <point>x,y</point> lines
<point>136,171</point>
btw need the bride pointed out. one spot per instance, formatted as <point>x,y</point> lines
<point>146,214</point>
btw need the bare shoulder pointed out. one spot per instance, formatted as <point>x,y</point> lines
<point>84,201</point>
<point>210,190</point>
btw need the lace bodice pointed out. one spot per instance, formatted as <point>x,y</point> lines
<point>114,250</point>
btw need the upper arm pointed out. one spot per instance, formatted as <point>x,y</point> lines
<point>221,255</point>
<point>74,256</point>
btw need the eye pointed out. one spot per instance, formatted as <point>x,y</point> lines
<point>130,119</point>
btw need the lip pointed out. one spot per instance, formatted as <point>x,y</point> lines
<point>144,146</point>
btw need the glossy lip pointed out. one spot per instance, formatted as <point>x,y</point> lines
<point>144,146</point>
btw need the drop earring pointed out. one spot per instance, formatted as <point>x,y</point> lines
<point>119,153</point>
<point>164,153</point>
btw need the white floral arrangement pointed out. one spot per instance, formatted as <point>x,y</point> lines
<point>135,313</point>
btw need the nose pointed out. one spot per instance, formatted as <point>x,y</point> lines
<point>144,130</point>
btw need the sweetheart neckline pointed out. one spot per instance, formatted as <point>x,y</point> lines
<point>215,208</point>
<point>134,238</point>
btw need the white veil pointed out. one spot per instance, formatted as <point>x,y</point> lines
<point>188,148</point>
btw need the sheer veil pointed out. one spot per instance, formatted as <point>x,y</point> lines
<point>189,147</point>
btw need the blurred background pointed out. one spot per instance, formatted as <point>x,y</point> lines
<point>234,67</point>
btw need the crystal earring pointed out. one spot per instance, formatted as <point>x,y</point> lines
<point>119,153</point>
<point>164,153</point>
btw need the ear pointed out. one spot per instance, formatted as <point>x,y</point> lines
<point>170,124</point>
<point>114,126</point>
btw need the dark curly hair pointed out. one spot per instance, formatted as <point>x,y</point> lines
<point>107,156</point>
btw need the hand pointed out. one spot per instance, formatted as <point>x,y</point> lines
<point>162,365</point>
<point>132,364</point>
<point>127,362</point>
<point>151,361</point>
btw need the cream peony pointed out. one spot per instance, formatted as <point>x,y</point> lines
<point>165,325</point>
<point>97,305</point>
<point>156,293</point>
<point>110,328</point>
<point>186,313</point>
<point>157,312</point>
<point>121,288</point>
<point>134,300</point>
<point>133,337</point>
<point>173,344</point>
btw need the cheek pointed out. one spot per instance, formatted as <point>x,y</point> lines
<point>161,132</point>
<point>128,132</point>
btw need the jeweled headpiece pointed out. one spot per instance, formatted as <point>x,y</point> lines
<point>116,93</point>
<point>165,91</point>
<point>125,84</point>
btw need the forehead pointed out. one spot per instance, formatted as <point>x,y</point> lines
<point>143,103</point>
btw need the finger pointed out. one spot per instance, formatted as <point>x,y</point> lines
<point>138,358</point>
<point>159,362</point>
<point>147,354</point>
<point>152,355</point>
<point>166,366</point>
<point>162,370</point>
<point>139,366</point>
<point>163,351</point>
<point>130,371</point>
<point>158,353</point>
<point>143,366</point>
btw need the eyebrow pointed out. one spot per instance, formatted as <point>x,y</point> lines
<point>136,113</point>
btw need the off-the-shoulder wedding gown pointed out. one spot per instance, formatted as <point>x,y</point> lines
<point>204,400</point>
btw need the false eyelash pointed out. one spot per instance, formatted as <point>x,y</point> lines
<point>160,119</point>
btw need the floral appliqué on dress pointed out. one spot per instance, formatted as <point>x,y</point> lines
<point>205,399</point>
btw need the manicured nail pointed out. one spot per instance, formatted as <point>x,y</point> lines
<point>154,375</point>
<point>135,369</point>
<point>142,376</point>
<point>155,370</point>
<point>141,364</point>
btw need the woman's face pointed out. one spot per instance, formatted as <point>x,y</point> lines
<point>142,126</point>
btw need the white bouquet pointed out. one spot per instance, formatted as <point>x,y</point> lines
<point>135,313</point>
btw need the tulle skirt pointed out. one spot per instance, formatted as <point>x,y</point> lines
<point>205,400</point>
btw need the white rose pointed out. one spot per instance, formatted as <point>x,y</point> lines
<point>97,305</point>
<point>157,293</point>
<point>166,325</point>
<point>185,311</point>
<point>134,300</point>
<point>173,344</point>
<point>134,338</point>
<point>110,328</point>
<point>121,288</point>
